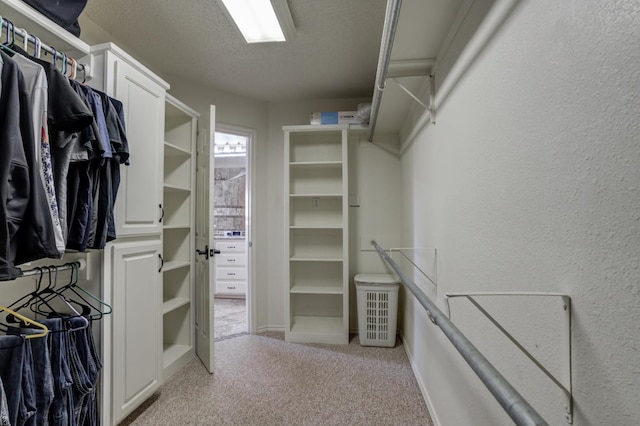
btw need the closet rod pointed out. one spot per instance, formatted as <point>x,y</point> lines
<point>80,264</point>
<point>49,49</point>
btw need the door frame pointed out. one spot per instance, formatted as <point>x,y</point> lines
<point>251,134</point>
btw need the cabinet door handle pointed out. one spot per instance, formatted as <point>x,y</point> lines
<point>161,262</point>
<point>161,212</point>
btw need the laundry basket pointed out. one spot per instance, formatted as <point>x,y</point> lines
<point>377,296</point>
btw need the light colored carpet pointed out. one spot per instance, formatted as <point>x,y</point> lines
<point>262,380</point>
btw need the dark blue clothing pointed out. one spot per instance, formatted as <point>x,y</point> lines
<point>11,361</point>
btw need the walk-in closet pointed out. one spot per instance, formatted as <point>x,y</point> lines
<point>394,212</point>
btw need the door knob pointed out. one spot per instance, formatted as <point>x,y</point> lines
<point>204,252</point>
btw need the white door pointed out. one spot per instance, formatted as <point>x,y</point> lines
<point>205,266</point>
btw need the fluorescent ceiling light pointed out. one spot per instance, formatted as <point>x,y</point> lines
<point>257,19</point>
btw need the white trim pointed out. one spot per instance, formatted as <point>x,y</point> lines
<point>250,214</point>
<point>421,384</point>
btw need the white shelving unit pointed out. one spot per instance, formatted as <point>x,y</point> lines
<point>178,236</point>
<point>317,268</point>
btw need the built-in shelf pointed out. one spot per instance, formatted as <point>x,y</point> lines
<point>316,289</point>
<point>316,164</point>
<point>315,259</point>
<point>178,242</point>
<point>170,266</point>
<point>175,188</point>
<point>24,16</point>
<point>184,227</point>
<point>317,325</point>
<point>171,150</point>
<point>173,304</point>
<point>172,353</point>
<point>317,270</point>
<point>316,195</point>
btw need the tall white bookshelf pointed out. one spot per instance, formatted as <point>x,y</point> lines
<point>316,222</point>
<point>178,307</point>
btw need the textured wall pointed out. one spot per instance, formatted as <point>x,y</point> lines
<point>529,181</point>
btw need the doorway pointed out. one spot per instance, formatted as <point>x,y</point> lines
<point>232,231</point>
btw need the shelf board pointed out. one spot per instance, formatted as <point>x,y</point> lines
<point>171,150</point>
<point>305,164</point>
<point>316,259</point>
<point>170,266</point>
<point>315,127</point>
<point>25,17</point>
<point>314,227</point>
<point>185,227</point>
<point>173,304</point>
<point>317,325</point>
<point>316,195</point>
<point>175,188</point>
<point>172,353</point>
<point>315,289</point>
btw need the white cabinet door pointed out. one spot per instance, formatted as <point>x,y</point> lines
<point>137,324</point>
<point>138,206</point>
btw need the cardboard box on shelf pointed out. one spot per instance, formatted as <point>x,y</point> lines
<point>324,118</point>
<point>334,117</point>
<point>348,117</point>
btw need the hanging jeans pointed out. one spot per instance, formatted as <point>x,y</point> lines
<point>4,407</point>
<point>27,414</point>
<point>83,370</point>
<point>40,365</point>
<point>61,412</point>
<point>11,360</point>
<point>90,359</point>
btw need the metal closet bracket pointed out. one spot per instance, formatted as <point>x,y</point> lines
<point>430,108</point>
<point>565,381</point>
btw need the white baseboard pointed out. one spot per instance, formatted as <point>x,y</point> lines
<point>421,385</point>
<point>265,328</point>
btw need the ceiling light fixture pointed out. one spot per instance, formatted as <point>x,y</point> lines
<point>261,21</point>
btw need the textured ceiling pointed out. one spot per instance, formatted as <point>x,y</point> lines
<point>334,53</point>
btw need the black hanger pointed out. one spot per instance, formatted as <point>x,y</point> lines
<point>85,305</point>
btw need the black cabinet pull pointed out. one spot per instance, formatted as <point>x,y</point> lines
<point>161,262</point>
<point>161,212</point>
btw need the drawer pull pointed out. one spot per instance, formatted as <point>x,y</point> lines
<point>231,247</point>
<point>231,260</point>
<point>231,287</point>
<point>231,273</point>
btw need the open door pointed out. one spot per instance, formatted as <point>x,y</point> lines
<point>205,266</point>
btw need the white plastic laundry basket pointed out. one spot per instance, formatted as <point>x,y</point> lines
<point>377,296</point>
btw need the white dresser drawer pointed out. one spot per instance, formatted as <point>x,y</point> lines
<point>232,259</point>
<point>231,246</point>
<point>231,274</point>
<point>231,287</point>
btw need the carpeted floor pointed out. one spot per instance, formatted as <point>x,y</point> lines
<point>262,380</point>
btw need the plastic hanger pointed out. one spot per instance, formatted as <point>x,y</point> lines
<point>50,290</point>
<point>28,322</point>
<point>73,284</point>
<point>86,305</point>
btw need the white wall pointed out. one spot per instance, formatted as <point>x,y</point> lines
<point>529,181</point>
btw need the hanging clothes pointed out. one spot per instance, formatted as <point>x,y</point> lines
<point>27,231</point>
<point>76,144</point>
<point>37,87</point>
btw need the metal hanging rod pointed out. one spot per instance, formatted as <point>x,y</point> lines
<point>388,35</point>
<point>520,411</point>
<point>12,31</point>
<point>79,264</point>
